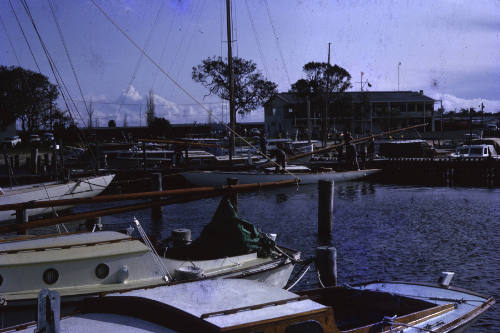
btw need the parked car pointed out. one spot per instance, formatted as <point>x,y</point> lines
<point>11,140</point>
<point>34,138</point>
<point>47,137</point>
<point>406,148</point>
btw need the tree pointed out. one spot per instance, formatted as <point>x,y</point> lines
<point>90,113</point>
<point>323,81</point>
<point>25,95</point>
<point>150,108</point>
<point>112,123</point>
<point>251,89</point>
<point>160,126</point>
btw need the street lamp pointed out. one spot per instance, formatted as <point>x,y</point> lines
<point>399,64</point>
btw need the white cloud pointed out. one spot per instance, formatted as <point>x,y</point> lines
<point>451,103</point>
<point>132,94</point>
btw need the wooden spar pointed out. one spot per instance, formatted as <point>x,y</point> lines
<point>103,212</point>
<point>180,142</point>
<point>144,195</point>
<point>294,157</point>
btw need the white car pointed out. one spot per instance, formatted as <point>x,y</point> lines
<point>12,140</point>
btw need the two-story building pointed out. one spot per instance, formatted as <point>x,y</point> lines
<point>286,114</point>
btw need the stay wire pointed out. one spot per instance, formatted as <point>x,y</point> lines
<point>61,36</point>
<point>57,76</point>
<point>257,40</point>
<point>24,36</point>
<point>10,42</point>
<point>177,84</point>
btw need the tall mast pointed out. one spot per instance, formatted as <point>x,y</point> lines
<point>232,115</point>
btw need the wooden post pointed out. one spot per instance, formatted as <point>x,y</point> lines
<point>157,185</point>
<point>21,217</point>
<point>34,161</point>
<point>144,154</point>
<point>234,196</point>
<point>326,264</point>
<point>16,161</point>
<point>325,207</point>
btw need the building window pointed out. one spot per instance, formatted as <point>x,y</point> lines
<point>274,111</point>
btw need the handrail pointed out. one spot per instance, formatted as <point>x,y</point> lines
<point>143,195</point>
<point>16,227</point>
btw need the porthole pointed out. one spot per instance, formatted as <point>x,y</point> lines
<point>50,276</point>
<point>102,271</point>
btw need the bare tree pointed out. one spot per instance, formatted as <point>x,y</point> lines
<point>90,113</point>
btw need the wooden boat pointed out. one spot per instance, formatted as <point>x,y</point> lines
<point>82,264</point>
<point>303,173</point>
<point>80,188</point>
<point>248,306</point>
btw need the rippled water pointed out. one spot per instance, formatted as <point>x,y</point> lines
<point>380,231</point>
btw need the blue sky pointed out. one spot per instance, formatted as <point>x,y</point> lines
<point>449,49</point>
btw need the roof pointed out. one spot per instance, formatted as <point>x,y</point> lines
<point>373,96</point>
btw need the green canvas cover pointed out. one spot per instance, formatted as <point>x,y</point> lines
<point>225,236</point>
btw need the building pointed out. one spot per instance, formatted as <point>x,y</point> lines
<point>286,114</point>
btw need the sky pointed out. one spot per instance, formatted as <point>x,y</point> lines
<point>448,49</point>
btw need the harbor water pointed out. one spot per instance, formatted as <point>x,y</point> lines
<point>388,232</point>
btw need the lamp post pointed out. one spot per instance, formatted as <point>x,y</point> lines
<point>399,64</point>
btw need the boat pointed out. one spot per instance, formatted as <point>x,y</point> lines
<point>82,264</point>
<point>84,187</point>
<point>476,151</point>
<point>304,174</point>
<point>247,306</point>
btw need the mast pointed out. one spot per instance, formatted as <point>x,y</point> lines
<point>232,116</point>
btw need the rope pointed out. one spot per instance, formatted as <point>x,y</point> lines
<point>156,258</point>
<point>177,84</point>
<point>300,277</point>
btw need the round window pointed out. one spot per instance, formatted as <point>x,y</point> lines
<point>50,276</point>
<point>102,271</point>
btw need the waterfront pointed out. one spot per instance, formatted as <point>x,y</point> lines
<point>389,232</point>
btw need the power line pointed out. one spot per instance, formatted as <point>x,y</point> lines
<point>10,42</point>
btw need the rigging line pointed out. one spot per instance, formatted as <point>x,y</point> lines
<point>234,25</point>
<point>139,61</point>
<point>176,83</point>
<point>167,37</point>
<point>55,72</point>
<point>24,36</point>
<point>277,42</point>
<point>61,36</point>
<point>259,46</point>
<point>10,41</point>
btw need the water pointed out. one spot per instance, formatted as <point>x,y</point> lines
<point>388,232</point>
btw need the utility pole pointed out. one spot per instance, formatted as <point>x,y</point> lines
<point>399,64</point>
<point>232,115</point>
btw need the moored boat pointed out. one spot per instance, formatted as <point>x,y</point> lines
<point>303,173</point>
<point>247,306</point>
<point>79,188</point>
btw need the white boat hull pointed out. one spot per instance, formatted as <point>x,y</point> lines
<point>217,178</point>
<point>81,188</point>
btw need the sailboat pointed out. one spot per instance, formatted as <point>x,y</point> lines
<point>85,187</point>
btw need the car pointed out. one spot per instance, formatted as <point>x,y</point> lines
<point>34,138</point>
<point>47,137</point>
<point>12,140</point>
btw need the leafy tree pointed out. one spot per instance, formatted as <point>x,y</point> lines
<point>160,127</point>
<point>150,108</point>
<point>25,95</point>
<point>323,81</point>
<point>112,123</point>
<point>251,89</point>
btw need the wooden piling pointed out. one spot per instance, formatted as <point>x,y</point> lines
<point>16,161</point>
<point>325,207</point>
<point>157,185</point>
<point>34,161</point>
<point>234,196</point>
<point>326,264</point>
<point>21,217</point>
